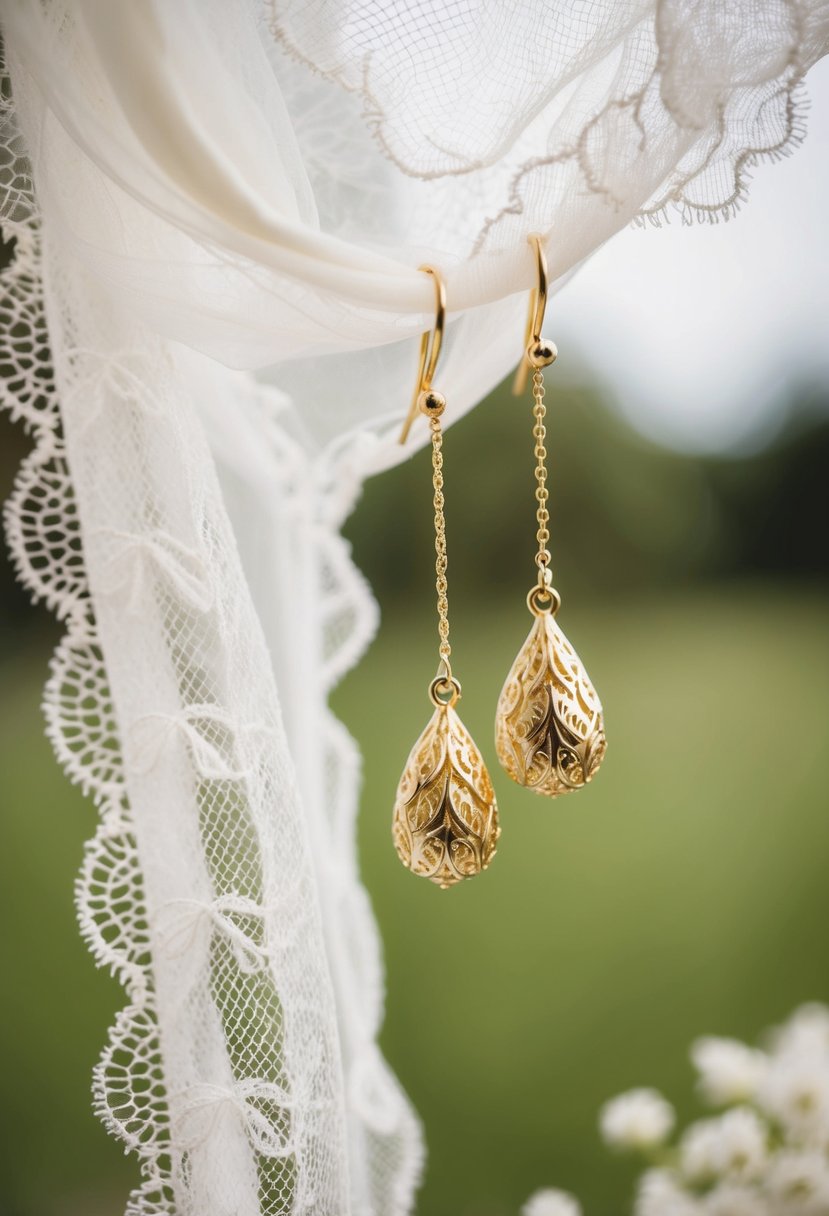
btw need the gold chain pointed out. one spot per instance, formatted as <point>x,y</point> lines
<point>542,557</point>
<point>441,585</point>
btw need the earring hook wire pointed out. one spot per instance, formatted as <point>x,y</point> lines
<point>430,344</point>
<point>535,314</point>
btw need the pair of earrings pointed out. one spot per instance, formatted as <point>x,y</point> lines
<point>549,731</point>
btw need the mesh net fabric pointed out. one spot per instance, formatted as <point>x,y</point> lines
<point>244,186</point>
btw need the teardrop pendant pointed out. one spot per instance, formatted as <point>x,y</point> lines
<point>549,729</point>
<point>445,824</point>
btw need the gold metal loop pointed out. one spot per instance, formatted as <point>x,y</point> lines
<point>430,344</point>
<point>542,600</point>
<point>535,315</point>
<point>444,692</point>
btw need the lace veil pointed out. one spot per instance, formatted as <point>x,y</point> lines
<point>216,214</point>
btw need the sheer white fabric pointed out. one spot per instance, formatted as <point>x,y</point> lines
<point>209,326</point>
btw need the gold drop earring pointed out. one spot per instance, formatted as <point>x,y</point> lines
<point>549,730</point>
<point>445,823</point>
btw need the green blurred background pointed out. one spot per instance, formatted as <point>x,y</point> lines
<point>685,892</point>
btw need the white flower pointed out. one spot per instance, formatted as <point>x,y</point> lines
<point>551,1202</point>
<point>733,1199</point>
<point>743,1140</point>
<point>806,1032</point>
<point>639,1119</point>
<point>699,1151</point>
<point>798,1184</point>
<point>660,1194</point>
<point>728,1070</point>
<point>732,1145</point>
<point>795,1092</point>
<point>767,1154</point>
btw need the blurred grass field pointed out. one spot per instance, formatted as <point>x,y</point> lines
<point>683,893</point>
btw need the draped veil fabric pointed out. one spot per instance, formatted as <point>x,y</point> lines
<point>215,213</point>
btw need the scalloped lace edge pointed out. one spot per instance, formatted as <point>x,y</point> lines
<point>45,547</point>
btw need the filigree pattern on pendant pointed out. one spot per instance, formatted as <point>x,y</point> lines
<point>445,824</point>
<point>549,730</point>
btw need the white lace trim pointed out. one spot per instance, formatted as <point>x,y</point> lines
<point>44,539</point>
<point>130,1086</point>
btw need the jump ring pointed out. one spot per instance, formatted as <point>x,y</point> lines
<point>444,691</point>
<point>543,600</point>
